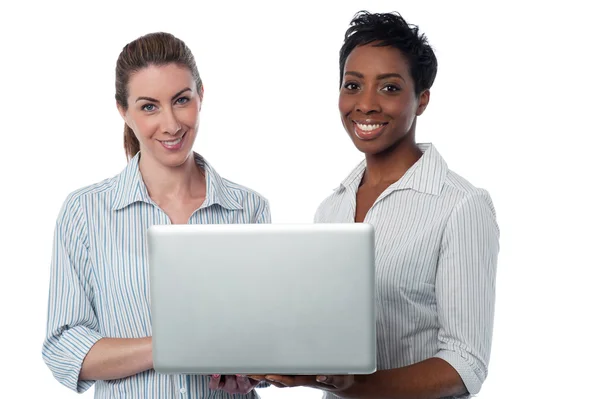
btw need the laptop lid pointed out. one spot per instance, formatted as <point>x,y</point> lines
<point>263,298</point>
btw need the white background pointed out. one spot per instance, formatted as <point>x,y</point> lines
<point>514,110</point>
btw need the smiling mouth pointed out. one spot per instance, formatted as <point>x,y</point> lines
<point>173,142</point>
<point>173,145</point>
<point>368,130</point>
<point>369,127</point>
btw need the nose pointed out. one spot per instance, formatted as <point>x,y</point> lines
<point>170,124</point>
<point>367,102</point>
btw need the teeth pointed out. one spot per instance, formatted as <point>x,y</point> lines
<point>174,142</point>
<point>368,128</point>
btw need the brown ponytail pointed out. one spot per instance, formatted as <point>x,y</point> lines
<point>152,49</point>
<point>132,145</point>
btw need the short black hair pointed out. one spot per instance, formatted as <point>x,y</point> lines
<point>390,29</point>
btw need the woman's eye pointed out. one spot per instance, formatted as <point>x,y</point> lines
<point>148,107</point>
<point>182,100</point>
<point>391,88</point>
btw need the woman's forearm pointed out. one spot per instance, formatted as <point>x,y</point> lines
<point>115,358</point>
<point>429,379</point>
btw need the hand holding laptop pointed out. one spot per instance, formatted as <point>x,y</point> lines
<point>243,384</point>
<point>326,382</point>
<point>232,383</point>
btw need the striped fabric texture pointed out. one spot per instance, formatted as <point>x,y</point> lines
<point>99,280</point>
<point>437,245</point>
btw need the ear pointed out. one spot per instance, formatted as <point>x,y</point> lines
<point>423,102</point>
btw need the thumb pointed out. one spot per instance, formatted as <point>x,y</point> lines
<point>325,379</point>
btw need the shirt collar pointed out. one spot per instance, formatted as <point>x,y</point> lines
<point>427,175</point>
<point>130,186</point>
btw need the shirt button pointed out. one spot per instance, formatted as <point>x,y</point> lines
<point>182,391</point>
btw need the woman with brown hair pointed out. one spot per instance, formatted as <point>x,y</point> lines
<point>99,323</point>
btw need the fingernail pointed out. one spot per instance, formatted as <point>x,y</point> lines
<point>321,378</point>
<point>216,375</point>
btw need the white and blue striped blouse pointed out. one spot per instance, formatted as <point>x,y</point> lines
<point>436,248</point>
<point>99,281</point>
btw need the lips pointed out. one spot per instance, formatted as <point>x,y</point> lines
<point>175,144</point>
<point>368,129</point>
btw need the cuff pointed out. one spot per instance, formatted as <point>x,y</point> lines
<point>471,375</point>
<point>66,356</point>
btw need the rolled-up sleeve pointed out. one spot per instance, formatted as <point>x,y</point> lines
<point>465,288</point>
<point>72,326</point>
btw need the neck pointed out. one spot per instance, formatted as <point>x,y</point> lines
<point>389,166</point>
<point>183,182</point>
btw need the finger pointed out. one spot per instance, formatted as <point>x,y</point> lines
<point>244,384</point>
<point>293,380</point>
<point>253,383</point>
<point>324,379</point>
<point>336,381</point>
<point>281,379</point>
<point>330,380</point>
<point>214,381</point>
<point>257,377</point>
<point>230,384</point>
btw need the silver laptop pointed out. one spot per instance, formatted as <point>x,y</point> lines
<point>263,298</point>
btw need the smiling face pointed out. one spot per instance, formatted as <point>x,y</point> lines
<point>163,112</point>
<point>377,101</point>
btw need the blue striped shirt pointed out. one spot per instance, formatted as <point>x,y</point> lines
<point>436,249</point>
<point>99,276</point>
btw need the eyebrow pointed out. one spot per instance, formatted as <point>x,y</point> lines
<point>172,98</point>
<point>379,77</point>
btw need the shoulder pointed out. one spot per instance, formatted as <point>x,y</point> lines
<point>248,200</point>
<point>231,194</point>
<point>464,192</point>
<point>244,193</point>
<point>471,206</point>
<point>79,199</point>
<point>329,206</point>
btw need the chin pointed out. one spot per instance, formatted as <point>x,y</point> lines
<point>177,159</point>
<point>371,147</point>
<point>373,151</point>
<point>172,160</point>
<point>381,145</point>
